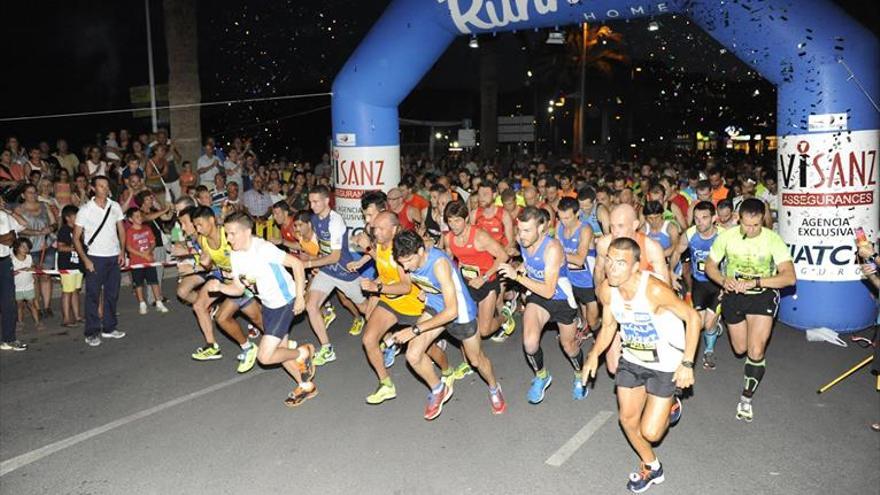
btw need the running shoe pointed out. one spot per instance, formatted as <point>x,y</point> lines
<point>18,346</point>
<point>115,334</point>
<point>247,359</point>
<point>708,360</point>
<point>142,308</point>
<point>306,366</point>
<point>536,390</point>
<point>744,411</point>
<point>579,391</point>
<point>499,336</point>
<point>160,307</point>
<point>357,326</point>
<point>388,355</point>
<point>254,332</point>
<point>325,355</point>
<point>383,393</point>
<point>436,401</point>
<point>644,478</point>
<point>675,412</point>
<point>329,314</point>
<point>301,394</point>
<point>93,340</point>
<point>207,353</point>
<point>464,369</point>
<point>509,325</point>
<point>496,399</point>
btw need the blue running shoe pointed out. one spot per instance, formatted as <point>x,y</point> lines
<point>536,391</point>
<point>389,353</point>
<point>641,481</point>
<point>675,412</point>
<point>578,390</point>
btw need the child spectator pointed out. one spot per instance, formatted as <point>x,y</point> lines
<point>140,242</point>
<point>68,259</point>
<point>25,296</point>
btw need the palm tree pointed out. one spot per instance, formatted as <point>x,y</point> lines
<point>589,47</point>
<point>183,76</point>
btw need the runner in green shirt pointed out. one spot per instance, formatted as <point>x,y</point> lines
<point>758,264</point>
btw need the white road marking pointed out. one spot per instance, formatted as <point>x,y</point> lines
<point>22,460</point>
<point>579,438</point>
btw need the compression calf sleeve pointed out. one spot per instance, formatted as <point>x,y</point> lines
<point>536,360</point>
<point>576,360</point>
<point>754,372</point>
<point>709,339</point>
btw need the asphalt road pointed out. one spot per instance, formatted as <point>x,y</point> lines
<point>137,415</point>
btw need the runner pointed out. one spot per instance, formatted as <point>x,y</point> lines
<point>551,300</point>
<point>216,262</point>
<point>577,238</point>
<point>398,303</point>
<point>435,227</point>
<point>260,267</point>
<point>706,294</point>
<point>664,231</point>
<point>478,256</point>
<point>295,234</point>
<point>657,357</point>
<point>447,307</point>
<point>410,216</point>
<point>726,218</point>
<point>335,255</point>
<point>758,264</point>
<point>492,218</point>
<point>624,223</point>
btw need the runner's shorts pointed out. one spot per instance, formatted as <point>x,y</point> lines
<point>325,284</point>
<point>656,383</point>
<point>277,321</point>
<point>462,331</point>
<point>584,295</point>
<point>487,288</point>
<point>735,307</point>
<point>705,295</point>
<point>402,319</point>
<point>560,311</point>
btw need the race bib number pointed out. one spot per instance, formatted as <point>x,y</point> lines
<point>469,272</point>
<point>646,353</point>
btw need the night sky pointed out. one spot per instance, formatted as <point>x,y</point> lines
<point>84,57</point>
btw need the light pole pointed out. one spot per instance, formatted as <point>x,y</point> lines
<point>150,64</point>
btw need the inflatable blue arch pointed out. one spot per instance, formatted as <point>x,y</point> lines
<point>823,63</point>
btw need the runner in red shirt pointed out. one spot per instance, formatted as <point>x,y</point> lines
<point>492,218</point>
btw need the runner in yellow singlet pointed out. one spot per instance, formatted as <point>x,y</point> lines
<point>394,299</point>
<point>215,259</point>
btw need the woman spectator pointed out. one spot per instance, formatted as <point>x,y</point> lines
<point>135,186</point>
<point>157,168</point>
<point>45,194</point>
<point>146,202</point>
<point>11,172</point>
<point>40,230</point>
<point>94,166</point>
<point>81,190</point>
<point>62,188</point>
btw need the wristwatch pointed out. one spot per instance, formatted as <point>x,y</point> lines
<point>379,288</point>
<point>416,330</point>
<point>688,364</point>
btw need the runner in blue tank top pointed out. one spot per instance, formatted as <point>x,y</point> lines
<point>576,238</point>
<point>705,294</point>
<point>448,306</point>
<point>550,299</point>
<point>333,275</point>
